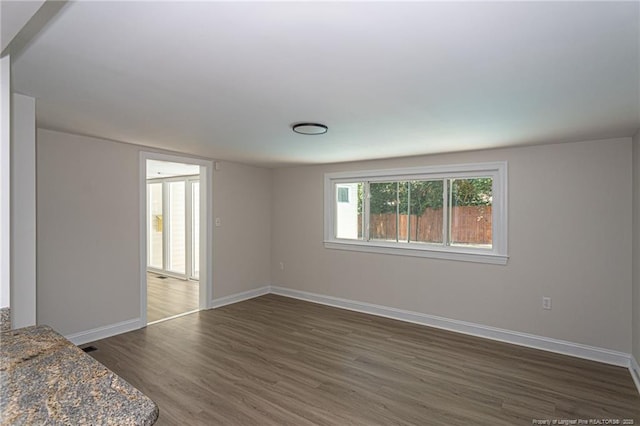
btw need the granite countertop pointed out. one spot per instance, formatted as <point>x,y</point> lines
<point>45,379</point>
<point>5,319</point>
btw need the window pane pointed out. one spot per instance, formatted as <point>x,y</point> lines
<point>425,220</point>
<point>349,207</point>
<point>177,240</point>
<point>154,222</point>
<point>470,204</point>
<point>383,204</point>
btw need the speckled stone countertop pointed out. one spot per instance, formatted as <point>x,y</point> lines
<point>45,379</point>
<point>5,319</point>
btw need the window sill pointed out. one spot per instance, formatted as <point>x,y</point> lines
<point>415,251</point>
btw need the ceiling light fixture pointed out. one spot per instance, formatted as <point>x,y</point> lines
<point>310,128</point>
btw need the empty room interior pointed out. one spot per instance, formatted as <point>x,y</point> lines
<point>320,213</point>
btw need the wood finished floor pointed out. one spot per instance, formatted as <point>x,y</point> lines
<point>280,361</point>
<point>169,296</point>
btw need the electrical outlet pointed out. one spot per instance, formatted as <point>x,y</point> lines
<point>282,266</point>
<point>218,221</point>
<point>546,303</point>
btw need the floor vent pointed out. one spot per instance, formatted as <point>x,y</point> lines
<point>89,349</point>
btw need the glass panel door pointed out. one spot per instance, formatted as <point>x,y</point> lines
<point>177,228</point>
<point>195,229</point>
<point>155,223</point>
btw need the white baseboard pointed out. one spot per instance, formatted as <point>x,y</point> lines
<point>523,339</point>
<point>239,297</point>
<point>634,368</point>
<point>103,332</point>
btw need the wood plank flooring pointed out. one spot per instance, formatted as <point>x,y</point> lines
<point>169,296</point>
<point>280,361</point>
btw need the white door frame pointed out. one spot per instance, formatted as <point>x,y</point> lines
<point>206,227</point>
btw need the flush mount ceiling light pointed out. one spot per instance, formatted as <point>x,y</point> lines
<point>310,128</point>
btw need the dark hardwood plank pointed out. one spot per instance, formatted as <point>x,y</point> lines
<point>279,361</point>
<point>169,296</point>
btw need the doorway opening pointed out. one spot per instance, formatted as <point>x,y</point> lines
<point>174,240</point>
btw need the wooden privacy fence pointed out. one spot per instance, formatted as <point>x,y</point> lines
<point>469,224</point>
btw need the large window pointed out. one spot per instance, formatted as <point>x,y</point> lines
<point>451,212</point>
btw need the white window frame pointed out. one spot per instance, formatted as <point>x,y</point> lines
<point>497,254</point>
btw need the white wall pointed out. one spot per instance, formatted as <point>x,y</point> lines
<point>636,246</point>
<point>5,173</point>
<point>23,211</point>
<point>13,17</point>
<point>88,227</point>
<point>87,218</point>
<point>242,244</point>
<point>569,221</point>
